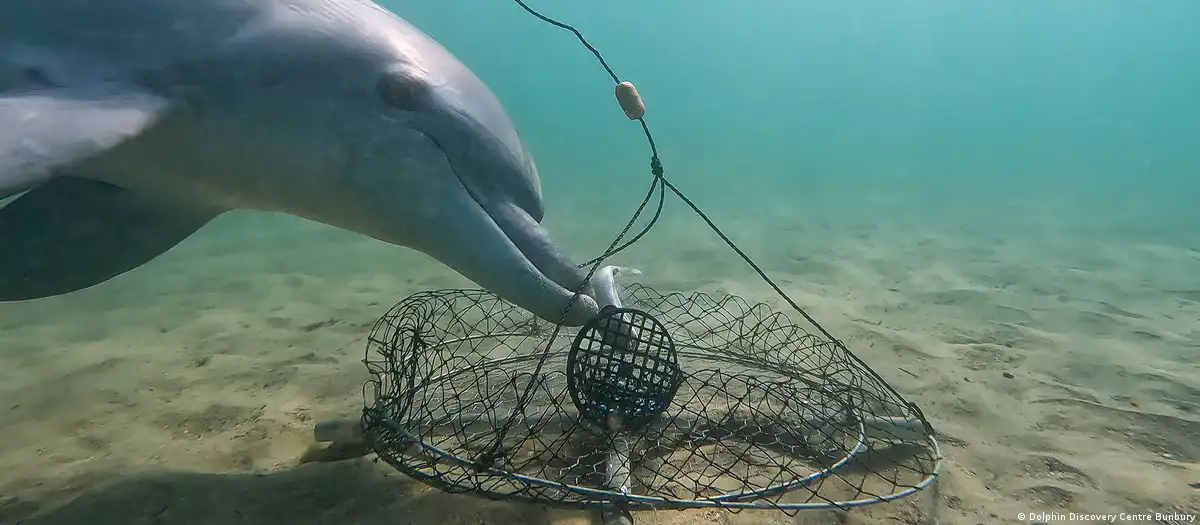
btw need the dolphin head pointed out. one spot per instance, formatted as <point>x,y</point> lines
<point>483,152</point>
<point>436,164</point>
<point>464,119</point>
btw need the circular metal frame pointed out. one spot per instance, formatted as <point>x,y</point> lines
<point>402,438</point>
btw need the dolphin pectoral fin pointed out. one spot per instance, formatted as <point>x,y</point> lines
<point>474,246</point>
<point>42,130</point>
<point>71,233</point>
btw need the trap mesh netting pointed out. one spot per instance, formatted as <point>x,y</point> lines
<point>668,401</point>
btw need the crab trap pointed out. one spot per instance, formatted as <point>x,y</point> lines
<point>662,401</point>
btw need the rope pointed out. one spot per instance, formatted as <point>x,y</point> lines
<point>660,183</point>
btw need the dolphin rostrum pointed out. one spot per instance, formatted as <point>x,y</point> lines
<point>129,124</point>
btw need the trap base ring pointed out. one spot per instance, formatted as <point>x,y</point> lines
<point>764,416</point>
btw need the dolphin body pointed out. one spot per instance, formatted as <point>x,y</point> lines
<point>129,124</point>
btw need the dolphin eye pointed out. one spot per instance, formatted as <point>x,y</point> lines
<point>400,91</point>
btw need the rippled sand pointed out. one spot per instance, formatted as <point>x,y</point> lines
<point>1058,368</point>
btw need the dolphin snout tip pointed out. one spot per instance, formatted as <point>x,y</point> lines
<point>580,310</point>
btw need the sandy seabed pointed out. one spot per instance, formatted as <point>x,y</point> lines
<point>1058,369</point>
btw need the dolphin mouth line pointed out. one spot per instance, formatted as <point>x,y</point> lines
<point>464,184</point>
<point>499,224</point>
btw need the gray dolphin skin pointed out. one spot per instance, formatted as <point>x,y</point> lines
<point>129,124</point>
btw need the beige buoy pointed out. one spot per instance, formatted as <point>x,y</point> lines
<point>631,101</point>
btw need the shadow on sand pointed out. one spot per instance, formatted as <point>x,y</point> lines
<point>342,493</point>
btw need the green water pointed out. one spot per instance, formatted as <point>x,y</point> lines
<point>941,107</point>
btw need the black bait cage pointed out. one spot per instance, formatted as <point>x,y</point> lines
<point>662,401</point>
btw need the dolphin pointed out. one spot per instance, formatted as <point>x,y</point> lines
<point>127,125</point>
